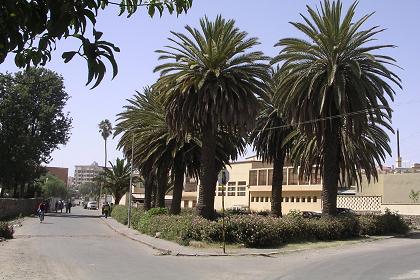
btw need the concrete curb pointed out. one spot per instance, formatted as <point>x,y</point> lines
<point>161,250</point>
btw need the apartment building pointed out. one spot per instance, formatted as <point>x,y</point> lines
<point>86,173</point>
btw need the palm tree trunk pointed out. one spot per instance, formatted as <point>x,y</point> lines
<point>277,185</point>
<point>208,176</point>
<point>178,187</point>
<point>162,186</point>
<point>331,168</point>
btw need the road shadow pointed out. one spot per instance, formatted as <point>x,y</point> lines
<point>73,216</point>
<point>411,235</point>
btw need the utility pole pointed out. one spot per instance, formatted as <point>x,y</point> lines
<point>131,182</point>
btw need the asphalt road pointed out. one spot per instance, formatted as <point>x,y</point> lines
<point>81,246</point>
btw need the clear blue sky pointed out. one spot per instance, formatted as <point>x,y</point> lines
<point>139,36</point>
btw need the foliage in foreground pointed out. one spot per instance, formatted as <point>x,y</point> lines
<point>6,231</point>
<point>259,231</point>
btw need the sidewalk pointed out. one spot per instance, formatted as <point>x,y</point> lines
<point>165,247</point>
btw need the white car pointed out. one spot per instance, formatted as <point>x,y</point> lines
<point>92,205</point>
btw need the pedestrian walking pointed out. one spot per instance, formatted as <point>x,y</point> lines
<point>56,206</point>
<point>68,207</point>
<point>41,211</point>
<point>60,206</point>
<point>106,209</point>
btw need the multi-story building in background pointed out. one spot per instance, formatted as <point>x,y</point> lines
<point>60,172</point>
<point>70,182</point>
<point>86,173</point>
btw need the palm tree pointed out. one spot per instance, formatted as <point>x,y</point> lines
<point>157,150</point>
<point>268,139</point>
<point>117,178</point>
<point>105,128</point>
<point>335,83</point>
<point>211,80</point>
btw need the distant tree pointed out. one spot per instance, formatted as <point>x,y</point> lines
<point>414,195</point>
<point>105,128</point>
<point>117,179</point>
<point>32,125</point>
<point>90,190</point>
<point>52,186</point>
<point>31,29</point>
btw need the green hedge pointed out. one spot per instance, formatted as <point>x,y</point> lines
<point>6,231</point>
<point>256,230</point>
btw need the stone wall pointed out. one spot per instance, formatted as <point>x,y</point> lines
<point>12,207</point>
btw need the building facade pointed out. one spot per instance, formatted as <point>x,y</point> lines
<point>249,187</point>
<point>60,172</point>
<point>86,173</point>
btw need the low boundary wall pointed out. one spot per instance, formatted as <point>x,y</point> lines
<point>12,207</point>
<point>360,203</point>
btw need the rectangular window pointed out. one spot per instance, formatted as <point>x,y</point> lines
<point>315,178</point>
<point>293,178</point>
<point>286,199</point>
<point>241,194</point>
<point>186,203</point>
<point>219,193</point>
<point>194,203</point>
<point>230,194</point>
<point>262,177</point>
<point>314,199</point>
<point>292,199</point>
<point>266,199</point>
<point>241,189</point>
<point>231,189</point>
<point>252,199</point>
<point>231,183</point>
<point>270,177</point>
<point>297,199</point>
<point>303,199</point>
<point>242,183</point>
<point>309,199</point>
<point>257,199</point>
<point>253,177</point>
<point>285,176</point>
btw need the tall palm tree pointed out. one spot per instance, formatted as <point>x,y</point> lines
<point>268,139</point>
<point>117,178</point>
<point>105,128</point>
<point>335,82</point>
<point>211,79</point>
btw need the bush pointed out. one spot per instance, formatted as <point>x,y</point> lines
<point>387,223</point>
<point>6,231</point>
<point>119,213</point>
<point>258,231</point>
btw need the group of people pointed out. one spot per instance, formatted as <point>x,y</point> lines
<point>59,205</point>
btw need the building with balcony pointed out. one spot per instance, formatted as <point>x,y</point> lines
<point>86,173</point>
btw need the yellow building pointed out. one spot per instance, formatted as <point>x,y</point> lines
<point>249,187</point>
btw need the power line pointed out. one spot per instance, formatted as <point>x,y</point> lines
<point>365,111</point>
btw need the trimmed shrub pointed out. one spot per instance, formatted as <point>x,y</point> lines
<point>6,231</point>
<point>387,223</point>
<point>119,213</point>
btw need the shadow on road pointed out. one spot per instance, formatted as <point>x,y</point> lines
<point>64,215</point>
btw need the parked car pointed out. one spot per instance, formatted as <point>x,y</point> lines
<point>344,211</point>
<point>92,205</point>
<point>311,214</point>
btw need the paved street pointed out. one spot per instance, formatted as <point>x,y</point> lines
<point>82,246</point>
